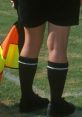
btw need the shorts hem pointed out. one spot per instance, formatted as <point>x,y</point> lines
<point>64,23</point>
<point>32,25</point>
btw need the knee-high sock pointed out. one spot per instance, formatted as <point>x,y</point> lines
<point>27,70</point>
<point>57,73</point>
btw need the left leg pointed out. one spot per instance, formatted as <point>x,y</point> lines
<point>28,61</point>
<point>31,16</point>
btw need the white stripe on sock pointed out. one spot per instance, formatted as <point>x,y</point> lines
<point>54,68</point>
<point>27,63</point>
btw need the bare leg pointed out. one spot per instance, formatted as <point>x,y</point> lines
<point>57,70</point>
<point>57,43</point>
<point>33,41</point>
<point>27,68</point>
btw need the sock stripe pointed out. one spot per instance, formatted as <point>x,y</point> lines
<point>24,63</point>
<point>55,68</point>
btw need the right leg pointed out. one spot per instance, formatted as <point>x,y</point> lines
<point>63,15</point>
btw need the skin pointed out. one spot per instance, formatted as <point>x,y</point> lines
<point>81,5</point>
<point>56,42</point>
<point>80,2</point>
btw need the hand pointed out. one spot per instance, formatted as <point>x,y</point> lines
<point>12,3</point>
<point>81,5</point>
<point>80,2</point>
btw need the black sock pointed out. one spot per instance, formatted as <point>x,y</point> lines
<point>57,73</point>
<point>27,70</point>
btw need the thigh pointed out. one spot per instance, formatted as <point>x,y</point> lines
<point>64,12</point>
<point>31,12</point>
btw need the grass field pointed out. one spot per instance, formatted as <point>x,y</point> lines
<point>9,87</point>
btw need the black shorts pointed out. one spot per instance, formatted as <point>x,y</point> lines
<point>33,13</point>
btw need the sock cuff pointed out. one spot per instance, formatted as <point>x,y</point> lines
<point>28,61</point>
<point>57,66</point>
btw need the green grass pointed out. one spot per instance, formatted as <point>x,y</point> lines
<point>10,90</point>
